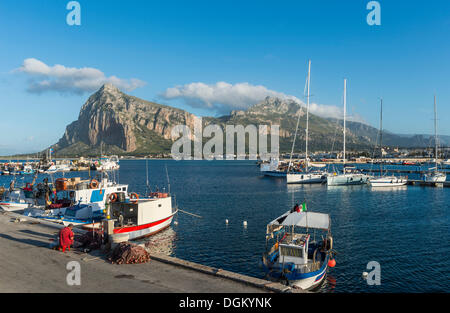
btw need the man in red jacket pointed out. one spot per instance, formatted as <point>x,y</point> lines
<point>66,238</point>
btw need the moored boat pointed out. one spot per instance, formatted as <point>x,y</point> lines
<point>296,258</point>
<point>138,218</point>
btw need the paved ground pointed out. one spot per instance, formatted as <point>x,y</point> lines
<point>28,265</point>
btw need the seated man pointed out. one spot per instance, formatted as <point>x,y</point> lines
<point>66,238</point>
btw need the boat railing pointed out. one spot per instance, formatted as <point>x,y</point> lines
<point>309,267</point>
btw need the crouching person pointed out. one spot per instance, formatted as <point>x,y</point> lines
<point>66,238</point>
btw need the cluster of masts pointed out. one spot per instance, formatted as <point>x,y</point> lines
<point>349,176</point>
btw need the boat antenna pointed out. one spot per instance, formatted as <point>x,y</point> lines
<point>146,170</point>
<point>167,175</point>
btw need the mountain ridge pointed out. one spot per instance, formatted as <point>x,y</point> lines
<point>115,122</point>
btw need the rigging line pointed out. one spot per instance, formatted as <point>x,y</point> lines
<point>296,129</point>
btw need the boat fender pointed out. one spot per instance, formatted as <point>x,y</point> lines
<point>332,263</point>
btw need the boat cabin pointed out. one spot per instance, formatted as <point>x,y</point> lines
<point>294,249</point>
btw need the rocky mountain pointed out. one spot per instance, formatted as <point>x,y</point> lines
<point>119,123</point>
<point>122,124</point>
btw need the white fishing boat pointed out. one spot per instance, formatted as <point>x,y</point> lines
<point>384,180</point>
<point>434,175</point>
<point>298,258</point>
<point>349,175</point>
<point>138,218</point>
<point>272,168</point>
<point>307,176</point>
<point>87,198</point>
<point>108,163</point>
<point>14,199</point>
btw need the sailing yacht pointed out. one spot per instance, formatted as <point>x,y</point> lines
<point>435,176</point>
<point>308,176</point>
<point>350,175</point>
<point>385,181</point>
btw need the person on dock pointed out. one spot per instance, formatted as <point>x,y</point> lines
<point>66,238</point>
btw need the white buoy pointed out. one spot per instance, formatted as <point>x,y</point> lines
<point>364,275</point>
<point>245,223</point>
<point>226,221</point>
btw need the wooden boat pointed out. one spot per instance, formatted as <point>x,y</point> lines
<point>296,258</point>
<point>138,218</point>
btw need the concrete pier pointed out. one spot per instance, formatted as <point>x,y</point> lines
<point>28,265</point>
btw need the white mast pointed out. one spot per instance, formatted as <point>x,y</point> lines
<point>345,108</point>
<point>435,134</point>
<point>307,117</point>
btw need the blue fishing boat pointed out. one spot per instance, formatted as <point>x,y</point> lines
<point>296,258</point>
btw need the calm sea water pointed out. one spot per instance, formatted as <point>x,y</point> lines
<point>406,229</point>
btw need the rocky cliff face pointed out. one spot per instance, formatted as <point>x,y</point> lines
<point>112,118</point>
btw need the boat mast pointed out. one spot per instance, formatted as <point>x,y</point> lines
<point>345,108</point>
<point>381,136</point>
<point>435,135</point>
<point>295,135</point>
<point>307,117</point>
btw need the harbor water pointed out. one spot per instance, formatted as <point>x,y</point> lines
<point>405,229</point>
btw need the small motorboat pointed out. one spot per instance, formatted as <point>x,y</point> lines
<point>387,181</point>
<point>297,259</point>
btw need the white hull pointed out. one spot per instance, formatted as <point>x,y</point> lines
<point>274,173</point>
<point>302,178</point>
<point>310,282</point>
<point>388,182</point>
<point>13,206</point>
<point>153,215</point>
<point>433,178</point>
<point>347,179</point>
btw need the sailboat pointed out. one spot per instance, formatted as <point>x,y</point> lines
<point>308,176</point>
<point>385,181</point>
<point>350,175</point>
<point>435,176</point>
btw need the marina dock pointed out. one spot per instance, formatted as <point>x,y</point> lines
<point>29,265</point>
<point>427,184</point>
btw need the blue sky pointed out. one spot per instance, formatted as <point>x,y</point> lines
<point>165,44</point>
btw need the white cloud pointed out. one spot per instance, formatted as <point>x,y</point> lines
<point>63,79</point>
<point>223,97</point>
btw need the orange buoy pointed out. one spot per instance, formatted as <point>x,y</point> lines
<point>332,263</point>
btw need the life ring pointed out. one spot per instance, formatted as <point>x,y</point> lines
<point>134,197</point>
<point>113,197</point>
<point>93,184</point>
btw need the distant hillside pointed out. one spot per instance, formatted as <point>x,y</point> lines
<point>122,124</point>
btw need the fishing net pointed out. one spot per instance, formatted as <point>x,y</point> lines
<point>91,240</point>
<point>128,253</point>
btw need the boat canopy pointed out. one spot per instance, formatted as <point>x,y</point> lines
<point>301,219</point>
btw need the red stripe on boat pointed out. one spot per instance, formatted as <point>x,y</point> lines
<point>135,228</point>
